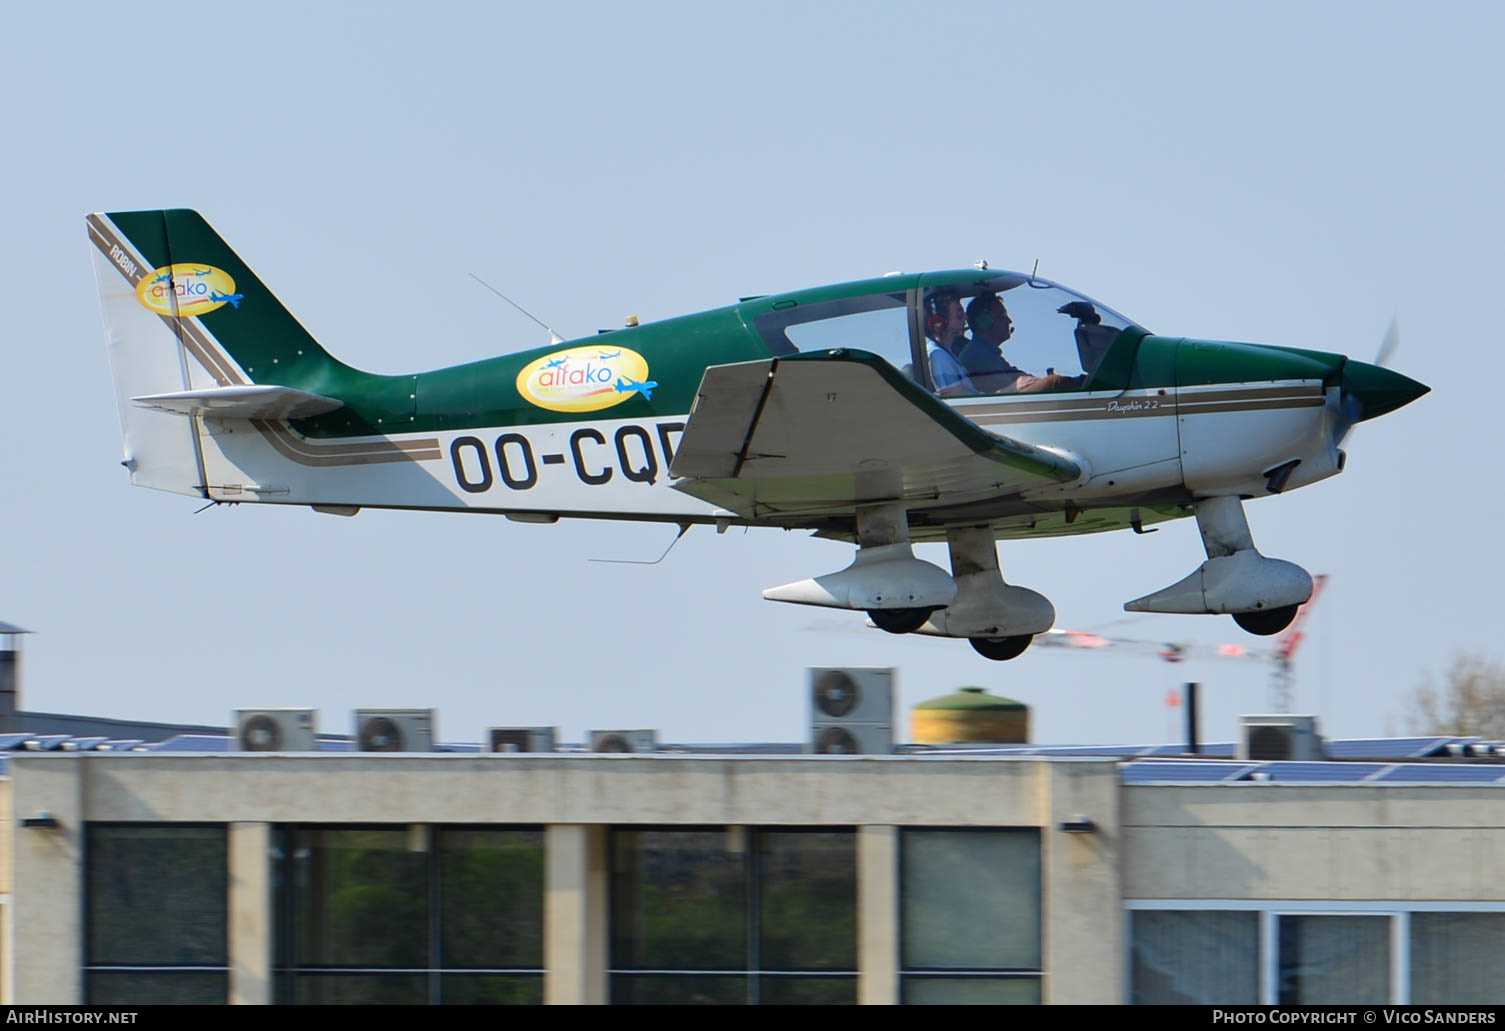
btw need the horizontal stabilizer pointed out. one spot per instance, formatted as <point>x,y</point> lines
<point>242,402</point>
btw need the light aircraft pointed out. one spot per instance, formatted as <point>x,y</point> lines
<point>815,409</point>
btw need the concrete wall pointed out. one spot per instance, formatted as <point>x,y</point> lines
<point>1282,841</point>
<point>1082,910</point>
<point>48,877</point>
<point>541,789</point>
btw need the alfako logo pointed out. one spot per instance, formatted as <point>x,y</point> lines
<point>187,288</point>
<point>585,379</point>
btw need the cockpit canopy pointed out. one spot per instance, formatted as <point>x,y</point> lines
<point>962,335</point>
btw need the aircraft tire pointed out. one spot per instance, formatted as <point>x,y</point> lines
<point>1268,622</point>
<point>1001,649</point>
<point>899,621</point>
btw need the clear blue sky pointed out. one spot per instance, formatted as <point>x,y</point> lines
<point>1283,173</point>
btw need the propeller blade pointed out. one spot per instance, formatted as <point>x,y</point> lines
<point>1389,344</point>
<point>1349,412</point>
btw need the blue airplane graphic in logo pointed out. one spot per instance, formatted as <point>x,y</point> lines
<point>627,385</point>
<point>164,277</point>
<point>556,363</point>
<point>201,272</point>
<point>233,300</point>
<point>603,356</point>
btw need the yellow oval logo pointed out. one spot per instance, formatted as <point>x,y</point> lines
<point>187,288</point>
<point>585,379</point>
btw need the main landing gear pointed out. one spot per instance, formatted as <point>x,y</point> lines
<point>1001,649</point>
<point>1261,594</point>
<point>903,594</point>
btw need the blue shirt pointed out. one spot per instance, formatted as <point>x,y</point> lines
<point>946,371</point>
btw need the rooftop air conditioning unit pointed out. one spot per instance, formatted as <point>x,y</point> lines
<point>636,741</point>
<point>522,739</point>
<point>1278,738</point>
<point>275,730</point>
<point>851,711</point>
<point>395,730</point>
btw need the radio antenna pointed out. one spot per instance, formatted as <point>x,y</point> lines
<point>684,528</point>
<point>554,338</point>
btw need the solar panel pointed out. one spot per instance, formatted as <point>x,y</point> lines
<point>44,742</point>
<point>1309,772</point>
<point>960,750</point>
<point>192,743</point>
<point>1125,750</point>
<point>1204,771</point>
<point>1387,747</point>
<point>121,744</point>
<point>1214,750</point>
<point>12,740</point>
<point>1442,773</point>
<point>83,744</point>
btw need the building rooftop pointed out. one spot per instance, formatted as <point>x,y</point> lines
<point>1385,761</point>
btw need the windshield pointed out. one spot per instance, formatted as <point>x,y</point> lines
<point>1010,334</point>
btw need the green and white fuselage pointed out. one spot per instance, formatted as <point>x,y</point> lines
<point>813,409</point>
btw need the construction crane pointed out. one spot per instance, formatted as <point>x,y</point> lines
<point>1280,653</point>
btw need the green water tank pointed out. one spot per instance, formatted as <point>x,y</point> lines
<point>969,715</point>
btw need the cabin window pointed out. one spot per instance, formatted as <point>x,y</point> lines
<point>878,323</point>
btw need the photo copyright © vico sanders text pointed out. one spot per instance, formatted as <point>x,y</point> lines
<point>1367,1016</point>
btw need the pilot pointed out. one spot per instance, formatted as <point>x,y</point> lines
<point>945,326</point>
<point>983,358</point>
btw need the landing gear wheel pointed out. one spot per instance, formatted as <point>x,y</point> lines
<point>899,621</point>
<point>1001,649</point>
<point>1267,622</point>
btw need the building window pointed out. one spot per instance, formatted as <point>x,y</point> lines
<point>1334,960</point>
<point>409,915</point>
<point>733,915</point>
<point>1198,958</point>
<point>1331,952</point>
<point>1458,958</point>
<point>970,916</point>
<point>157,908</point>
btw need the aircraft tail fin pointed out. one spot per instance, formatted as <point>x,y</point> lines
<point>184,315</point>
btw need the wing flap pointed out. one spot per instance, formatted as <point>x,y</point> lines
<point>824,431</point>
<point>725,412</point>
<point>242,402</point>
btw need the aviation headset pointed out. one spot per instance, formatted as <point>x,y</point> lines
<point>937,311</point>
<point>982,313</point>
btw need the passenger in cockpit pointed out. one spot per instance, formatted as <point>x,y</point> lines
<point>983,357</point>
<point>946,326</point>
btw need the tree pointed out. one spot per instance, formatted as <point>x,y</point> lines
<point>1469,703</point>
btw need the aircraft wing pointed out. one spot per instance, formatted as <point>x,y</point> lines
<point>824,431</point>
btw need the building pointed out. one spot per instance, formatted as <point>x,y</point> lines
<point>1000,875</point>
